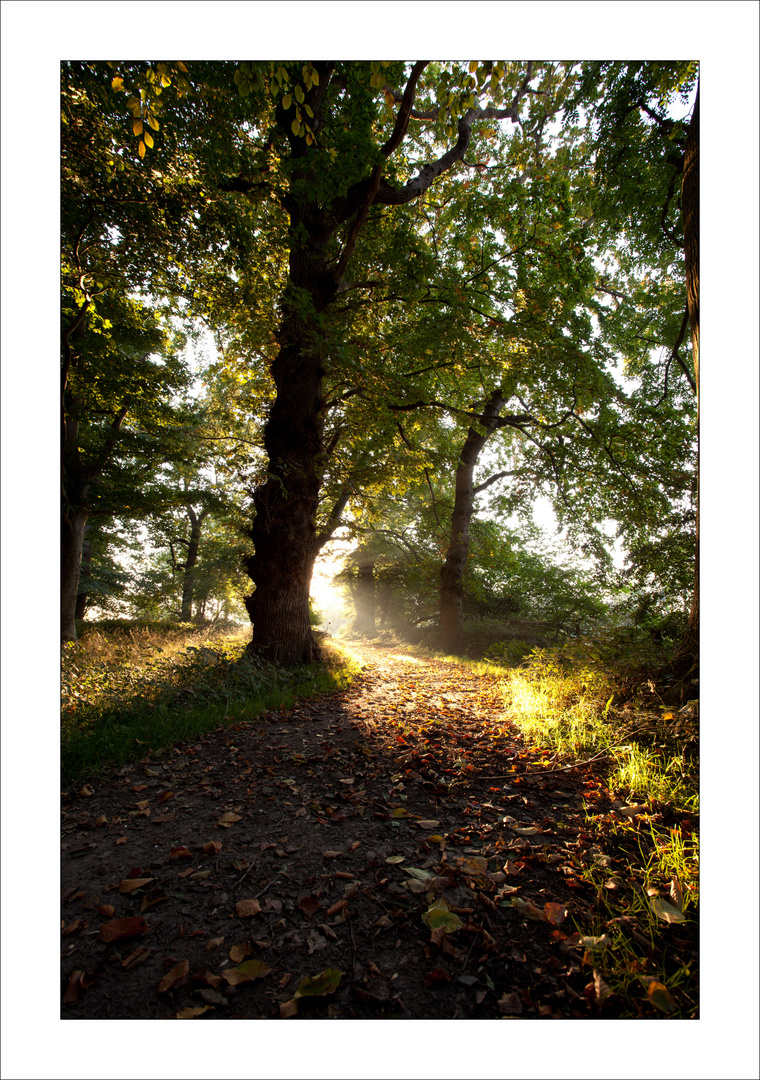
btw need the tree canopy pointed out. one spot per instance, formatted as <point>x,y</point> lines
<point>404,267</point>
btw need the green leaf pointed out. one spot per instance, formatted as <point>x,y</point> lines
<point>326,983</point>
<point>659,995</point>
<point>245,972</point>
<point>287,101</point>
<point>299,94</point>
<point>439,915</point>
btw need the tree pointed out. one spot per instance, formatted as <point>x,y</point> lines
<point>333,180</point>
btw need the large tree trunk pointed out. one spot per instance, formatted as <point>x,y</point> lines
<point>72,536</point>
<point>452,571</point>
<point>686,660</point>
<point>283,530</point>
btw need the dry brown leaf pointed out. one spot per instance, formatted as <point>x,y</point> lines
<point>341,904</point>
<point>246,908</point>
<point>173,977</point>
<point>78,924</point>
<point>138,956</point>
<point>228,819</point>
<point>331,854</point>
<point>288,1009</point>
<point>238,953</point>
<point>120,840</point>
<point>213,847</point>
<point>107,910</point>
<point>190,1013</point>
<point>214,943</point>
<point>130,884</point>
<point>121,928</point>
<point>180,853</point>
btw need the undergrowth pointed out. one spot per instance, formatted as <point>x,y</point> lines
<point>127,691</point>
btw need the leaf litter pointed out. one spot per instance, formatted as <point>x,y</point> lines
<point>390,850</point>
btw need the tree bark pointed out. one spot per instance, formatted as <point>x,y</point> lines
<point>452,571</point>
<point>363,593</point>
<point>188,575</point>
<point>72,536</point>
<point>84,571</point>
<point>686,660</point>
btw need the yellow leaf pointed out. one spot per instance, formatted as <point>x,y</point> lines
<point>148,140</point>
<point>141,149</point>
<point>137,127</point>
<point>295,127</point>
<point>286,102</point>
<point>117,83</point>
<point>190,1013</point>
<point>181,66</point>
<point>152,121</point>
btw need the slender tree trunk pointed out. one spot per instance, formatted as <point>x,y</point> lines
<point>452,572</point>
<point>686,660</point>
<point>84,571</point>
<point>188,574</point>
<point>363,593</point>
<point>72,536</point>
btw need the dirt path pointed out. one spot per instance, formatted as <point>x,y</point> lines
<point>390,839</point>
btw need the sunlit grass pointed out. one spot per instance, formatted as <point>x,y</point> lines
<point>131,691</point>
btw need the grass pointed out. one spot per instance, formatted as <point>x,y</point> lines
<point>129,690</point>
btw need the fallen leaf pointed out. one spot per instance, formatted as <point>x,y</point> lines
<point>107,910</point>
<point>528,909</point>
<point>180,853</point>
<point>86,791</point>
<point>78,924</point>
<point>395,859</point>
<point>138,956</point>
<point>116,929</point>
<point>200,875</point>
<point>214,943</point>
<point>119,841</point>
<point>325,983</point>
<point>511,1005</point>
<point>339,906</point>
<point>173,977</point>
<point>102,820</point>
<point>633,811</point>
<point>555,913</point>
<point>213,847</point>
<point>190,1013</point>
<point>78,981</point>
<point>246,908</point>
<point>676,893</point>
<point>238,953</point>
<point>665,911</point>
<point>309,905</point>
<point>659,995</point>
<point>155,896</point>
<point>130,884</point>
<point>439,917</point>
<point>474,866</point>
<point>228,819</point>
<point>251,969</point>
<point>288,1009</point>
<point>331,854</point>
<point>426,823</point>
<point>529,831</point>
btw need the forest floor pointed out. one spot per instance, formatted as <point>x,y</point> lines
<point>394,850</point>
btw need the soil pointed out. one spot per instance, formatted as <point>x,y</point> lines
<point>391,851</point>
